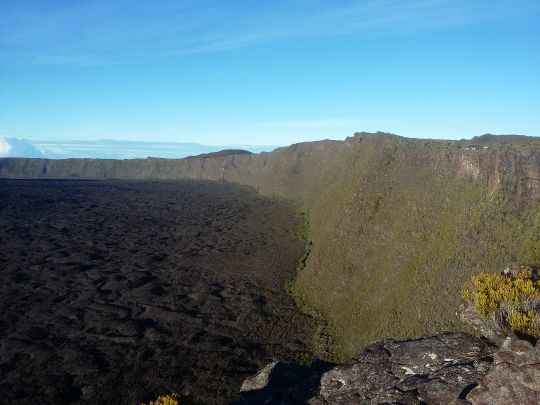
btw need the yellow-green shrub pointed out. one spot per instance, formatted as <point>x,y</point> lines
<point>513,297</point>
<point>171,399</point>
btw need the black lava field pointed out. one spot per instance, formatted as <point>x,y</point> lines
<point>117,291</point>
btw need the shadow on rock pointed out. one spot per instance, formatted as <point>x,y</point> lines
<point>282,382</point>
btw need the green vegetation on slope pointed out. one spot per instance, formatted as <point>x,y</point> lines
<point>397,239</point>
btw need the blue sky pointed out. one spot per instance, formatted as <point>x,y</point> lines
<point>267,73</point>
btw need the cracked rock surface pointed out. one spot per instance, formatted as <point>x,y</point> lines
<point>435,369</point>
<point>514,377</point>
<point>443,368</point>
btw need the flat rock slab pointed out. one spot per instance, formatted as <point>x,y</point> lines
<point>435,369</point>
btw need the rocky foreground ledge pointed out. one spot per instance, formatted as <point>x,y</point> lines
<point>446,368</point>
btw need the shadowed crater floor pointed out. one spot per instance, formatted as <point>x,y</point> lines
<point>115,291</point>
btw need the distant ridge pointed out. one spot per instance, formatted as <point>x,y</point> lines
<point>490,138</point>
<point>221,153</point>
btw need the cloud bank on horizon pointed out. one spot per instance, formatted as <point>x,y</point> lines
<point>5,147</point>
<point>109,149</point>
<point>11,147</point>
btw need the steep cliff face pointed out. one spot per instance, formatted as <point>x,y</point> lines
<point>397,224</point>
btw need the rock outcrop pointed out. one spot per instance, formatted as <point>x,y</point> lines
<point>446,368</point>
<point>514,377</point>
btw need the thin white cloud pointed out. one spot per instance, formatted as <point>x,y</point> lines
<point>97,32</point>
<point>119,149</point>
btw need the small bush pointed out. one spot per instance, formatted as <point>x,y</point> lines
<point>171,399</point>
<point>510,299</point>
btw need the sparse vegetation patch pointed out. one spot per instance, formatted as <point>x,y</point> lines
<point>510,300</point>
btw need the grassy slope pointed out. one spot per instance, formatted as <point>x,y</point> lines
<point>396,233</point>
<point>397,225</point>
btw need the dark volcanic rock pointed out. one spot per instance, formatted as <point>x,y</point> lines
<point>447,368</point>
<point>279,380</point>
<point>442,368</point>
<point>434,369</point>
<point>514,377</point>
